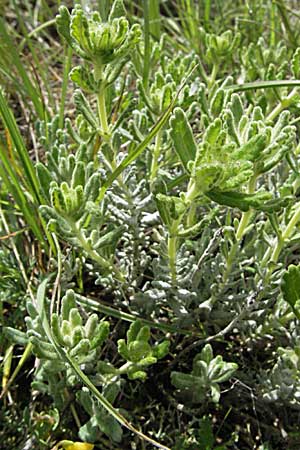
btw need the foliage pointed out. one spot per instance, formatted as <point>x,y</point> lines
<point>149,225</point>
<point>206,374</point>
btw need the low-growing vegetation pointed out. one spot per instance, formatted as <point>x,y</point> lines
<point>149,217</point>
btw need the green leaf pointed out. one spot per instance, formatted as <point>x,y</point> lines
<point>291,287</point>
<point>110,238</point>
<point>184,381</point>
<point>123,350</point>
<point>43,349</point>
<point>101,335</point>
<point>227,372</point>
<point>79,31</point>
<point>206,354</point>
<point>252,149</point>
<point>84,79</point>
<point>75,318</point>
<point>106,368</point>
<point>68,302</point>
<point>133,331</point>
<point>45,178</point>
<point>296,63</point>
<point>55,327</point>
<point>239,200</point>
<point>206,434</point>
<point>148,361</point>
<point>143,334</point>
<point>213,131</point>
<point>117,10</point>
<point>170,207</point>
<point>81,347</point>
<point>215,393</point>
<point>91,326</point>
<point>276,204</point>
<point>78,176</point>
<point>161,350</point>
<point>182,136</point>
<point>63,20</point>
<point>16,336</point>
<point>135,374</point>
<point>237,108</point>
<point>110,427</point>
<point>138,350</point>
<point>83,106</point>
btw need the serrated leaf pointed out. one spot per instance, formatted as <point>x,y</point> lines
<point>63,20</point>
<point>79,30</point>
<point>117,10</point>
<point>78,176</point>
<point>213,131</point>
<point>138,350</point>
<point>101,335</point>
<point>84,79</point>
<point>252,149</point>
<point>171,207</point>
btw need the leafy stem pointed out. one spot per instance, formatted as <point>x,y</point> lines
<point>155,156</point>
<point>123,369</point>
<point>102,111</point>
<point>172,247</point>
<point>243,224</point>
<point>93,254</point>
<point>173,229</point>
<point>284,104</point>
<point>213,75</point>
<point>286,234</point>
<point>101,100</point>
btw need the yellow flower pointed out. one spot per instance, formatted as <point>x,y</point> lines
<point>70,445</point>
<point>80,446</point>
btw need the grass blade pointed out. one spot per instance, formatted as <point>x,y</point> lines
<point>31,90</point>
<point>109,311</point>
<point>146,69</point>
<point>67,66</point>
<point>154,18</point>
<point>12,182</point>
<point>27,166</point>
<point>263,85</point>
